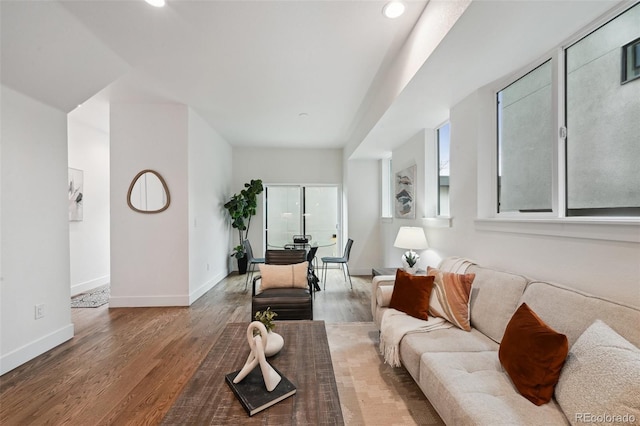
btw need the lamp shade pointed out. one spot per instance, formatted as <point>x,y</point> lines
<point>410,237</point>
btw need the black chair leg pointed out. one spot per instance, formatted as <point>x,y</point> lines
<point>324,274</point>
<point>349,274</point>
<point>246,281</point>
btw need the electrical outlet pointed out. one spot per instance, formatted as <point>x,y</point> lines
<point>39,311</point>
<point>207,266</point>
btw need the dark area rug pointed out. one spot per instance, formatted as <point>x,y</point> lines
<point>91,299</point>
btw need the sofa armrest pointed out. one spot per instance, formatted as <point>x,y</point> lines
<point>380,280</point>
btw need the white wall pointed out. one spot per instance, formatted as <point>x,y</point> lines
<point>606,268</point>
<point>279,166</point>
<point>89,239</point>
<point>35,230</point>
<point>363,206</point>
<point>209,184</point>
<point>412,152</point>
<point>149,252</point>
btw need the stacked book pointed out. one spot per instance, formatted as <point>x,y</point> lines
<point>253,394</point>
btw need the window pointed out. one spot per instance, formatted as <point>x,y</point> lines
<point>596,174</point>
<point>525,143</point>
<point>603,125</point>
<point>443,136</point>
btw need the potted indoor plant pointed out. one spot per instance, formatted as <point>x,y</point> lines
<point>241,208</point>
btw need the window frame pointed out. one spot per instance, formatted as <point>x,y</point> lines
<point>556,223</point>
<point>438,206</point>
<point>559,194</point>
<point>556,64</point>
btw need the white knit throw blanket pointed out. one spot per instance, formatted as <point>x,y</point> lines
<point>395,325</point>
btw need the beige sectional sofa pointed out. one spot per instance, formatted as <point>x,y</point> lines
<point>460,372</point>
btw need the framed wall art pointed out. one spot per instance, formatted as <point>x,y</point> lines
<point>405,189</point>
<point>76,194</point>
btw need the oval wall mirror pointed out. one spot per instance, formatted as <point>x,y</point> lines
<point>148,193</point>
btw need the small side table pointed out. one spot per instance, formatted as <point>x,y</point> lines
<point>392,271</point>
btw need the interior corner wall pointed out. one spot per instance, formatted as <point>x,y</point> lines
<point>412,152</point>
<point>89,238</point>
<point>35,230</point>
<point>149,252</point>
<point>279,166</point>
<point>609,269</point>
<point>209,184</point>
<point>363,206</point>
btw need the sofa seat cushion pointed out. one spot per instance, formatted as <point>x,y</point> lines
<point>288,303</point>
<point>451,339</point>
<point>470,388</point>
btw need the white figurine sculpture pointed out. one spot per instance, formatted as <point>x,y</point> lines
<point>258,343</point>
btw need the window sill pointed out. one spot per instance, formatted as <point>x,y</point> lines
<point>437,222</point>
<point>608,229</point>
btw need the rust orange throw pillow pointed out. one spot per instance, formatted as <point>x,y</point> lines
<point>411,294</point>
<point>450,298</point>
<point>532,354</point>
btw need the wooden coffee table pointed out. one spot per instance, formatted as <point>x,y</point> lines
<point>305,360</point>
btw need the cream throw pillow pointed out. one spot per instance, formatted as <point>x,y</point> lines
<point>284,276</point>
<point>600,381</point>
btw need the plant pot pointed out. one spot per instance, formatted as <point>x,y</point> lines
<point>275,343</point>
<point>409,269</point>
<point>242,265</point>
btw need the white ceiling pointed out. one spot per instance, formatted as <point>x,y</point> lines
<point>250,68</point>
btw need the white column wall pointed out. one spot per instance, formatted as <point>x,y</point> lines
<point>149,252</point>
<point>35,230</point>
<point>89,238</point>
<point>209,184</point>
<point>363,205</point>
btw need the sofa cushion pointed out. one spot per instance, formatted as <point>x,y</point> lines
<point>411,294</point>
<point>494,298</point>
<point>448,340</point>
<point>284,276</point>
<point>450,298</point>
<point>533,355</point>
<point>601,375</point>
<point>470,388</point>
<point>571,312</point>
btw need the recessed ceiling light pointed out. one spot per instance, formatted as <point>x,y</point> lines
<point>393,9</point>
<point>156,3</point>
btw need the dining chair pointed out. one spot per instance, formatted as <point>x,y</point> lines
<point>251,261</point>
<point>313,263</point>
<point>342,261</point>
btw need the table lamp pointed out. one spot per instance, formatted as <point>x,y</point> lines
<point>410,237</point>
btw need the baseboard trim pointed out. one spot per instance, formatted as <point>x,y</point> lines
<point>89,285</point>
<point>148,301</point>
<point>158,301</point>
<point>33,349</point>
<point>200,291</point>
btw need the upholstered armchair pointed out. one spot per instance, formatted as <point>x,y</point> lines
<point>284,286</point>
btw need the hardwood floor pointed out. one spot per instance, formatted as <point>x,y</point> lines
<point>128,365</point>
